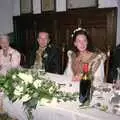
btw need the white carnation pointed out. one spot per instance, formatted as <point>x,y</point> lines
<point>18,91</point>
<point>25,98</point>
<point>19,88</point>
<point>51,89</point>
<point>14,77</point>
<point>30,78</point>
<point>26,78</point>
<point>37,83</point>
<point>22,75</point>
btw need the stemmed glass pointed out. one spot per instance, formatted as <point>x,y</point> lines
<point>42,70</point>
<point>116,98</point>
<point>116,85</point>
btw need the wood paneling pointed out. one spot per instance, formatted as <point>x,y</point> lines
<point>101,24</point>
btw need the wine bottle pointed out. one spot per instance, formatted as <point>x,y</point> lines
<point>85,85</point>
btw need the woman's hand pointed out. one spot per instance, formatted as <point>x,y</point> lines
<point>0,67</point>
<point>77,77</point>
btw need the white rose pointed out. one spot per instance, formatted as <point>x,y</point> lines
<point>25,98</point>
<point>19,88</point>
<point>37,83</point>
<point>17,93</point>
<point>22,75</point>
<point>26,78</point>
<point>51,89</point>
<point>14,77</point>
<point>29,79</point>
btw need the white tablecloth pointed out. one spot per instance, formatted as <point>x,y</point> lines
<point>49,113</point>
<point>59,111</point>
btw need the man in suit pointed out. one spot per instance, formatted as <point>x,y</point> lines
<point>114,65</point>
<point>47,54</point>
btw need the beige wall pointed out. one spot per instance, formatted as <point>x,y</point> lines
<point>6,13</point>
<point>118,23</point>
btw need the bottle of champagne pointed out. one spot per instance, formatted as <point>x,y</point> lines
<point>85,85</point>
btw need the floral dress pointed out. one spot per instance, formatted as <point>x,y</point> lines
<point>96,65</point>
<point>12,60</point>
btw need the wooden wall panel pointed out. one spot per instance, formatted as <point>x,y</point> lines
<point>101,24</point>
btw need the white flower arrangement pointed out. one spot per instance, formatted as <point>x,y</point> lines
<point>32,88</point>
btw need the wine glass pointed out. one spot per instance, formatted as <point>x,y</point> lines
<point>113,84</point>
<point>42,70</point>
<point>115,100</point>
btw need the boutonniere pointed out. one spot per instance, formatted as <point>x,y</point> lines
<point>49,46</point>
<point>45,55</point>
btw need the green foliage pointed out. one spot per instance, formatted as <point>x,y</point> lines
<point>31,87</point>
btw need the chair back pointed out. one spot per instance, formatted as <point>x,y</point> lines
<point>106,64</point>
<point>23,59</point>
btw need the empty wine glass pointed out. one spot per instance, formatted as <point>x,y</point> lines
<point>42,70</point>
<point>116,85</point>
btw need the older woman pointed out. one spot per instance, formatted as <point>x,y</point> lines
<point>9,57</point>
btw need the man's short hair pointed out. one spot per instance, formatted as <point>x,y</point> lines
<point>4,36</point>
<point>45,31</point>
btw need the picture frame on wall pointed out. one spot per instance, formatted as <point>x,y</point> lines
<point>48,5</point>
<point>26,6</point>
<point>61,5</point>
<point>72,4</point>
<point>36,6</point>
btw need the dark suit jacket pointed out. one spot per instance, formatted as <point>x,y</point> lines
<point>51,59</point>
<point>114,64</point>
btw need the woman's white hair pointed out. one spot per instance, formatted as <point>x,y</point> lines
<point>4,37</point>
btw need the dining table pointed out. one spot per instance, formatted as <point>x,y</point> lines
<point>104,104</point>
